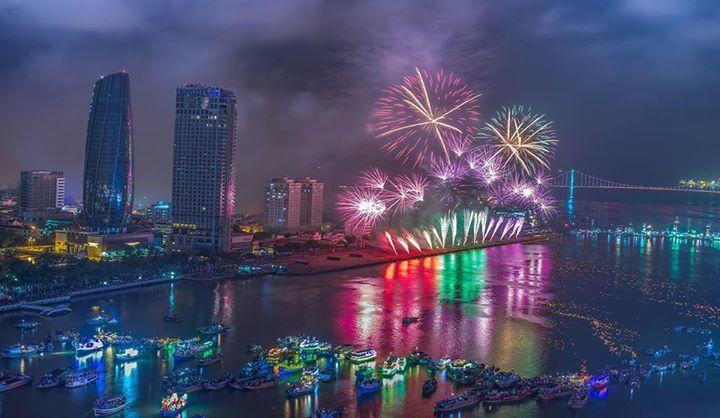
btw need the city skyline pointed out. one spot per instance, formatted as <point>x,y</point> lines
<point>313,82</point>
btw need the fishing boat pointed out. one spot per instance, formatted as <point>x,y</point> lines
<point>362,356</point>
<point>579,399</point>
<point>218,382</point>
<point>173,404</point>
<point>25,325</point>
<point>556,392</point>
<point>79,378</point>
<point>301,389</point>
<point>108,405</point>
<point>127,354</point>
<point>429,387</point>
<point>392,366</point>
<point>214,329</point>
<point>213,358</point>
<point>13,381</point>
<point>260,383</point>
<point>600,381</point>
<point>368,385</point>
<point>87,346</point>
<point>21,350</point>
<point>53,378</point>
<point>466,400</point>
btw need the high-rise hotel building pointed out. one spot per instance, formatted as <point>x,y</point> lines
<point>108,177</point>
<point>203,185</point>
<point>293,205</point>
<point>41,193</point>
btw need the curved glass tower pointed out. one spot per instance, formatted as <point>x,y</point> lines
<point>108,178</point>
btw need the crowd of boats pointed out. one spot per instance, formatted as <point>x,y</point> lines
<point>299,364</point>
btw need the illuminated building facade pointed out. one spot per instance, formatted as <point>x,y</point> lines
<point>108,177</point>
<point>293,204</point>
<point>203,188</point>
<point>41,193</point>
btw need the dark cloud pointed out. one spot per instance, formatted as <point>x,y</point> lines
<point>629,82</point>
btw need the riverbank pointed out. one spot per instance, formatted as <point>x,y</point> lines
<point>319,264</point>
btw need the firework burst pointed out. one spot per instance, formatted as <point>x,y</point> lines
<point>361,208</point>
<point>373,178</point>
<point>417,116</point>
<point>522,139</point>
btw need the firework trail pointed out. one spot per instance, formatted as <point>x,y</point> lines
<point>480,224</point>
<point>416,117</point>
<point>518,227</point>
<point>404,244</point>
<point>361,208</point>
<point>507,227</point>
<point>413,241</point>
<point>497,225</point>
<point>468,217</point>
<point>428,239</point>
<point>389,239</point>
<point>487,231</point>
<point>373,178</point>
<point>453,228</point>
<point>522,139</point>
<point>436,234</point>
<point>444,225</point>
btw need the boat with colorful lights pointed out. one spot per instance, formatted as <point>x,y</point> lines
<point>87,346</point>
<point>259,383</point>
<point>368,385</point>
<point>218,382</point>
<point>211,359</point>
<point>53,378</point>
<point>173,404</point>
<point>599,381</point>
<point>499,397</point>
<point>362,356</point>
<point>79,378</point>
<point>21,350</point>
<point>108,405</point>
<point>26,325</point>
<point>429,387</point>
<point>214,329</point>
<point>127,354</point>
<point>301,389</point>
<point>392,366</point>
<point>12,381</point>
<point>556,392</point>
<point>468,399</point>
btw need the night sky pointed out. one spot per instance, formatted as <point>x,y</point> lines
<point>631,84</point>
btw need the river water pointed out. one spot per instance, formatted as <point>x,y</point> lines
<point>534,308</point>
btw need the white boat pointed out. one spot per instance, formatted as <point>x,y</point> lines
<point>14,381</point>
<point>109,405</point>
<point>20,350</point>
<point>362,356</point>
<point>81,378</point>
<point>88,345</point>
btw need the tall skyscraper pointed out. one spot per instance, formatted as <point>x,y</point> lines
<point>203,189</point>
<point>41,193</point>
<point>293,205</point>
<point>108,179</point>
<point>282,205</point>
<point>311,203</point>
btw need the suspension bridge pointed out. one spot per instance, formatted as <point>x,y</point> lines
<point>574,179</point>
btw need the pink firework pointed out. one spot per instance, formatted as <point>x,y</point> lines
<point>361,208</point>
<point>448,171</point>
<point>544,204</point>
<point>416,117</point>
<point>488,166</point>
<point>459,145</point>
<point>414,184</point>
<point>373,178</point>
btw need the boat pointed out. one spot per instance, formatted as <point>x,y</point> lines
<point>466,400</point>
<point>327,375</point>
<point>418,357</point>
<point>658,352</point>
<point>362,356</point>
<point>170,318</point>
<point>63,335</point>
<point>300,389</point>
<point>53,378</point>
<point>173,404</point>
<point>79,378</point>
<point>25,325</point>
<point>127,354</point>
<point>392,366</point>
<point>254,349</point>
<point>260,383</point>
<point>368,385</point>
<point>214,329</point>
<point>410,320</point>
<point>579,399</point>
<point>21,350</point>
<point>363,371</point>
<point>328,413</point>
<point>508,396</point>
<point>218,382</point>
<point>556,392</point>
<point>429,387</point>
<point>289,367</point>
<point>442,363</point>
<point>600,381</point>
<point>13,381</point>
<point>506,380</point>
<point>213,358</point>
<point>108,405</point>
<point>87,346</point>
<point>343,350</point>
